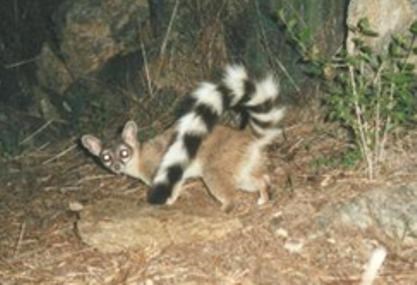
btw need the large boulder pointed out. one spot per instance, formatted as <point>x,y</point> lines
<point>101,49</point>
<point>86,37</point>
<point>386,17</point>
<point>392,210</point>
<point>88,34</point>
<point>113,225</point>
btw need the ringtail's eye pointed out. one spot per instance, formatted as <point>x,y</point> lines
<point>124,153</point>
<point>106,157</point>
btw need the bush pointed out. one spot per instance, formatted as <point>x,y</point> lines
<point>370,93</point>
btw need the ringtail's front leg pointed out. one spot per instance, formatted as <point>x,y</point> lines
<point>176,192</point>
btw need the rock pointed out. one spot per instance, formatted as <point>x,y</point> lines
<point>89,33</point>
<point>52,72</point>
<point>392,209</point>
<point>75,206</point>
<point>386,17</point>
<point>294,246</point>
<point>252,33</point>
<point>113,225</point>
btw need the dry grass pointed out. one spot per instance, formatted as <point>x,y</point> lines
<point>39,245</point>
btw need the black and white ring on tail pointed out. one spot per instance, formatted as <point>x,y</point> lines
<point>224,158</point>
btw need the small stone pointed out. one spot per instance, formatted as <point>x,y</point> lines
<point>280,232</point>
<point>277,214</point>
<point>294,246</point>
<point>75,206</point>
<point>331,240</point>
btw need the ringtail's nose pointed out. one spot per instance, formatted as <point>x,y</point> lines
<point>117,167</point>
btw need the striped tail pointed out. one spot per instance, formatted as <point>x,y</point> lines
<point>254,100</point>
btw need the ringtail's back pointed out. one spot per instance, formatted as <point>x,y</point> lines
<point>226,159</point>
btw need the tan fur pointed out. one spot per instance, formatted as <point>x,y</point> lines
<point>219,161</point>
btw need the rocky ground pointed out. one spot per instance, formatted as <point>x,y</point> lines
<point>66,221</point>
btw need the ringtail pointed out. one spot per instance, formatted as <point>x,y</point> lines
<point>224,158</point>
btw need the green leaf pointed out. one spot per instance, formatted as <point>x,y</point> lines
<point>352,60</point>
<point>291,24</point>
<point>281,15</point>
<point>351,28</point>
<point>366,49</point>
<point>305,35</point>
<point>395,51</point>
<point>413,28</point>
<point>313,70</point>
<point>365,28</point>
<point>401,41</point>
<point>397,78</point>
<point>406,66</point>
<point>358,42</point>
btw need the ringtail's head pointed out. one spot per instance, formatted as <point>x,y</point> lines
<point>122,156</point>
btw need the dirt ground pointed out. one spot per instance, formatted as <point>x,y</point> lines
<point>39,242</point>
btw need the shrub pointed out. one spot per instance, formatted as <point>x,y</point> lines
<point>370,93</point>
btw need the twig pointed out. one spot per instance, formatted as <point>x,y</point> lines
<point>378,124</point>
<point>38,131</point>
<point>294,146</point>
<point>20,63</point>
<point>16,12</point>
<point>19,240</point>
<point>59,155</point>
<point>387,124</point>
<point>171,22</point>
<point>358,112</point>
<point>42,147</point>
<point>95,177</point>
<point>375,262</point>
<point>280,64</point>
<point>25,255</point>
<point>147,74</point>
<point>296,13</point>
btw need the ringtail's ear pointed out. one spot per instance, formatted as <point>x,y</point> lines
<point>92,144</point>
<point>129,133</point>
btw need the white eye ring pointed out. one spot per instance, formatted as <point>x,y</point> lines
<point>106,157</point>
<point>124,153</point>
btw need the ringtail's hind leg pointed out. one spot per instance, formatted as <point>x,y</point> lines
<point>252,175</point>
<point>257,183</point>
<point>221,186</point>
<point>264,185</point>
